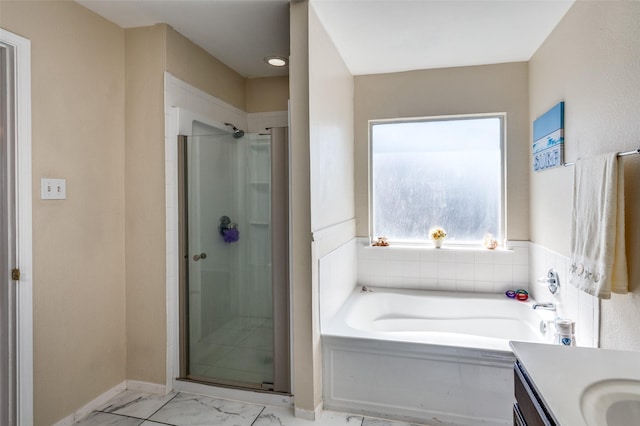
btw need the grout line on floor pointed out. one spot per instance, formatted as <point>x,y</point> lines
<point>264,407</point>
<point>162,406</point>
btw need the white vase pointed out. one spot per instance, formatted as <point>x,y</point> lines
<point>438,243</point>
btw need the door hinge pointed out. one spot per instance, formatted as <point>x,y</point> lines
<point>15,274</point>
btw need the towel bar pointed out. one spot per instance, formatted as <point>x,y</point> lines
<point>620,154</point>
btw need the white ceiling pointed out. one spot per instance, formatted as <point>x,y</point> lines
<point>382,36</point>
<point>373,36</point>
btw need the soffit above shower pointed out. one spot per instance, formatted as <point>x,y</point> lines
<point>372,36</point>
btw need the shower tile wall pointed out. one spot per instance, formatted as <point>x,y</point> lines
<point>256,282</point>
<point>460,269</point>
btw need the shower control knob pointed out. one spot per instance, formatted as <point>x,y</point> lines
<point>197,257</point>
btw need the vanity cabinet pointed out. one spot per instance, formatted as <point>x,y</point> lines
<point>529,409</point>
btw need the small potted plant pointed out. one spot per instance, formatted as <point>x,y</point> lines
<point>437,235</point>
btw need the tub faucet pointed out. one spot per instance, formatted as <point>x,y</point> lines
<point>549,306</point>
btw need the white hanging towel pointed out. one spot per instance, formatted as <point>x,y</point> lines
<point>598,259</point>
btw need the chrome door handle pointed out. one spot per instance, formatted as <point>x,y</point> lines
<point>197,257</point>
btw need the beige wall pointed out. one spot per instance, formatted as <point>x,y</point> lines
<point>145,204</point>
<point>78,243</point>
<point>267,94</point>
<point>303,298</point>
<point>449,91</point>
<point>330,130</point>
<point>592,62</point>
<point>192,64</point>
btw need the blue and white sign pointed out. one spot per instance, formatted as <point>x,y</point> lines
<point>548,139</point>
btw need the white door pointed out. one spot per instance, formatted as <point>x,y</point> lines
<point>7,245</point>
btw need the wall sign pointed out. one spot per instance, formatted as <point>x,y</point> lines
<point>548,139</point>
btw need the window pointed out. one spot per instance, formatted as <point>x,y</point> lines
<point>444,171</point>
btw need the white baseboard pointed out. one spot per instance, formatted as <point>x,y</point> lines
<point>147,387</point>
<point>100,400</point>
<point>308,414</point>
<point>92,405</point>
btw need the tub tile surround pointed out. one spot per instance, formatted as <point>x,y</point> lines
<point>457,269</point>
<point>337,275</point>
<point>134,408</point>
<point>448,268</point>
<point>519,265</point>
<point>571,303</point>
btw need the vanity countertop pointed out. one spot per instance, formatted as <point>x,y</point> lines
<point>560,374</point>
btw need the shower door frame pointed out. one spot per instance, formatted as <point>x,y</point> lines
<point>279,276</point>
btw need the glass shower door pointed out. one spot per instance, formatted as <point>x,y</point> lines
<point>228,324</point>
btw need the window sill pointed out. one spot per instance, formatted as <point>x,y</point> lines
<point>455,247</point>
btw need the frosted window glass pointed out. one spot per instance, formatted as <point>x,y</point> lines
<point>437,173</point>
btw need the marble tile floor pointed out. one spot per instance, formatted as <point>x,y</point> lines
<point>133,408</point>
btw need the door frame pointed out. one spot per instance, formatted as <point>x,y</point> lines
<point>21,48</point>
<point>182,101</point>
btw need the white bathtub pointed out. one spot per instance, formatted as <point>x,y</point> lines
<point>426,356</point>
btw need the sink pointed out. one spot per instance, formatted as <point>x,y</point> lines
<point>611,402</point>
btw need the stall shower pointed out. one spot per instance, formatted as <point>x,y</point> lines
<point>233,193</point>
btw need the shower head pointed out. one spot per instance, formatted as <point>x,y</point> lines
<point>237,133</point>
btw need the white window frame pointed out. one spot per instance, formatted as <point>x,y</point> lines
<point>502,116</point>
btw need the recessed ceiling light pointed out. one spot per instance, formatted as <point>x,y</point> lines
<point>276,61</point>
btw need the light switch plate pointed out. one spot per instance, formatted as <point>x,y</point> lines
<point>53,189</point>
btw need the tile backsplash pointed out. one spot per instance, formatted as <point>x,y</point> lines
<point>448,268</point>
